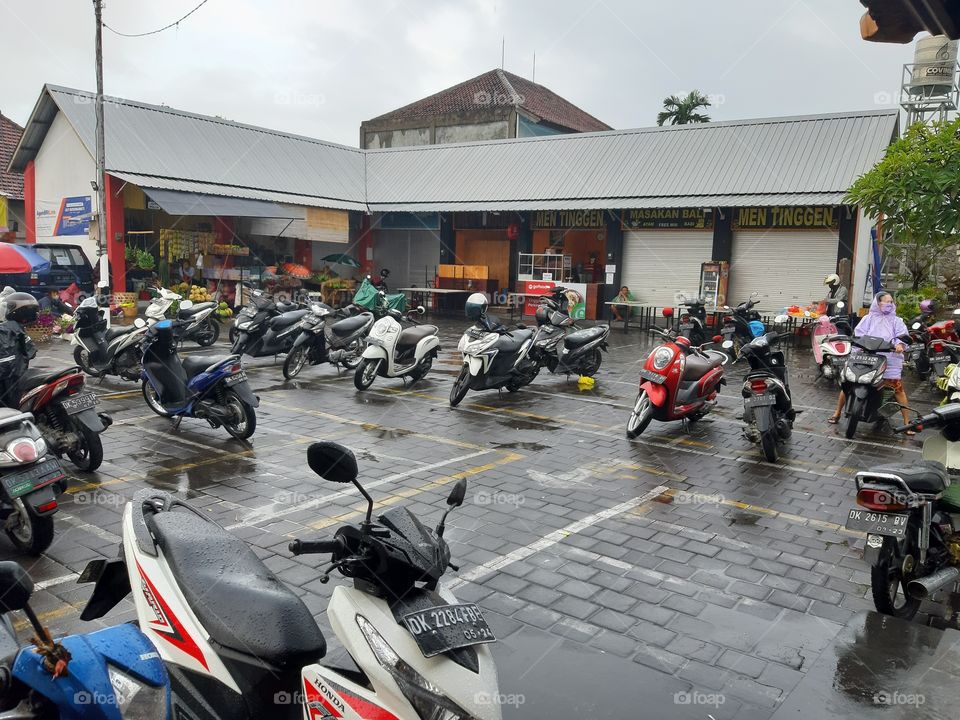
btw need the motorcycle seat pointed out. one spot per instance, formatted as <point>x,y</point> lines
<point>925,476</point>
<point>411,336</point>
<point>350,325</point>
<point>193,365</point>
<point>507,344</point>
<point>286,306</point>
<point>185,313</point>
<point>697,366</point>
<point>236,598</point>
<point>35,379</point>
<point>583,337</point>
<point>116,332</point>
<point>287,319</point>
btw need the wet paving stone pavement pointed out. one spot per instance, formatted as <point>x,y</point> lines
<point>677,575</point>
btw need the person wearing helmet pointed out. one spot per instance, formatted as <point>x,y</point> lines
<point>16,347</point>
<point>837,293</point>
<point>927,308</point>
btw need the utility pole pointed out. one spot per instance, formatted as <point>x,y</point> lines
<point>101,155</point>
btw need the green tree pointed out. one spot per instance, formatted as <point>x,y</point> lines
<point>681,111</point>
<point>916,187</point>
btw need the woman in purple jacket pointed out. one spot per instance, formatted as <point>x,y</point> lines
<point>882,322</point>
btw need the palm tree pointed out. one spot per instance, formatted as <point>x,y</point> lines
<point>681,111</point>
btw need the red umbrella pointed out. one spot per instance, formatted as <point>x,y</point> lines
<point>18,259</point>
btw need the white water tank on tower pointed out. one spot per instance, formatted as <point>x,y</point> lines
<point>934,66</point>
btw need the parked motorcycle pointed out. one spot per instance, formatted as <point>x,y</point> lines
<point>911,515</point>
<point>742,323</point>
<point>336,337</point>
<point>493,357</point>
<point>862,381</point>
<point>678,382</point>
<point>259,308</point>
<point>224,623</point>
<point>204,325</point>
<point>558,349</point>
<point>269,334</point>
<point>65,412</point>
<point>104,675</point>
<point>101,351</point>
<point>933,347</point>
<point>30,481</point>
<point>212,388</point>
<point>767,405</point>
<point>831,343</point>
<point>693,321</point>
<point>394,351</point>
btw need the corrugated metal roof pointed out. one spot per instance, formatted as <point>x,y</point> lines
<point>778,161</point>
<point>672,166</point>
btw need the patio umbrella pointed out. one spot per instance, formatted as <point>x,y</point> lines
<point>19,259</point>
<point>339,259</point>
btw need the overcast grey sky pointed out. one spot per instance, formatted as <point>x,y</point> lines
<point>319,67</point>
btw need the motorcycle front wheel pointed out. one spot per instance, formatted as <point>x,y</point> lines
<point>295,361</point>
<point>854,419</point>
<point>208,334</point>
<point>889,585</point>
<point>30,533</point>
<point>244,421</point>
<point>366,373</point>
<point>354,355</point>
<point>640,417</point>
<point>460,386</point>
<point>232,335</point>
<point>89,452</point>
<point>152,399</point>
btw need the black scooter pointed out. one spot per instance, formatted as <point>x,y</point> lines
<point>862,381</point>
<point>736,323</point>
<point>101,351</point>
<point>767,407</point>
<point>270,330</point>
<point>558,349</point>
<point>337,337</point>
<point>693,322</point>
<point>494,358</point>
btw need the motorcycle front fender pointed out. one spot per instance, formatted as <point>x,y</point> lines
<point>375,352</point>
<point>656,393</point>
<point>90,419</point>
<point>861,392</point>
<point>243,391</point>
<point>475,364</point>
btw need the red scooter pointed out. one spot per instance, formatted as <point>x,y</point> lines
<point>678,381</point>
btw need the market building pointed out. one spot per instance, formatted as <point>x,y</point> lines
<point>11,184</point>
<point>761,202</point>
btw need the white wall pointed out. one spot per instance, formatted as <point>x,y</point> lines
<point>862,259</point>
<point>63,168</point>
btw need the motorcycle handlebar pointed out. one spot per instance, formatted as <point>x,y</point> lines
<point>315,547</point>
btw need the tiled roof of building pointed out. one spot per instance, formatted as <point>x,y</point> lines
<point>498,87</point>
<point>11,183</point>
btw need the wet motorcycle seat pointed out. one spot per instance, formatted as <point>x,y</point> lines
<point>286,306</point>
<point>116,332</point>
<point>32,380</point>
<point>193,365</point>
<point>236,598</point>
<point>582,337</point>
<point>349,325</point>
<point>411,336</point>
<point>698,366</point>
<point>926,476</point>
<point>198,307</point>
<point>507,344</point>
<point>287,319</point>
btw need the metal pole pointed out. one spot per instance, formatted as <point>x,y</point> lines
<point>101,155</point>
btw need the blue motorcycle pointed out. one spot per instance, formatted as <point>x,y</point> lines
<point>213,388</point>
<point>112,674</point>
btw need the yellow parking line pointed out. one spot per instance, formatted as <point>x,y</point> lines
<point>401,495</point>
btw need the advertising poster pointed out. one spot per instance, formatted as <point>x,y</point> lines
<point>576,296</point>
<point>534,287</point>
<point>71,216</point>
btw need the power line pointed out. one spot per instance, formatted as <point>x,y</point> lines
<point>159,30</point>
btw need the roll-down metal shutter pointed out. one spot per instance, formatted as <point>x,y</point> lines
<point>786,267</point>
<point>411,256</point>
<point>660,264</point>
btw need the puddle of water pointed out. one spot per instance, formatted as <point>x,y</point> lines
<point>532,446</point>
<point>388,433</point>
<point>517,424</point>
<point>744,519</point>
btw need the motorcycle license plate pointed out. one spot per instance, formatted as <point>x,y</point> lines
<point>234,379</point>
<point>43,473</point>
<point>652,376</point>
<point>686,326</point>
<point>877,523</point>
<point>79,403</point>
<point>861,358</point>
<point>448,627</point>
<point>759,401</point>
<point>941,358</point>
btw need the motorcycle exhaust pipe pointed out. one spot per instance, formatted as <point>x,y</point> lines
<point>924,587</point>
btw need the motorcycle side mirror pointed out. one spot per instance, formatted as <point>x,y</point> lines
<point>103,284</point>
<point>916,326</point>
<point>454,500</point>
<point>140,323</point>
<point>336,463</point>
<point>841,305</point>
<point>727,345</point>
<point>421,310</point>
<point>781,319</point>
<point>186,304</point>
<point>16,587</point>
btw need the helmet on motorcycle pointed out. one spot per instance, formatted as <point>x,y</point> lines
<point>757,328</point>
<point>21,307</point>
<point>476,306</point>
<point>927,306</point>
<point>833,279</point>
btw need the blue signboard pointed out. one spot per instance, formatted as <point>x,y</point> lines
<point>74,216</point>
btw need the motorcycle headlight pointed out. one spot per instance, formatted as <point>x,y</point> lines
<point>243,325</point>
<point>427,699</point>
<point>478,346</point>
<point>137,700</point>
<point>849,375</point>
<point>662,357</point>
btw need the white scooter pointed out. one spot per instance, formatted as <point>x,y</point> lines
<point>239,644</point>
<point>203,328</point>
<point>394,351</point>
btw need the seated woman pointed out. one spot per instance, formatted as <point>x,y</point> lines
<point>623,296</point>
